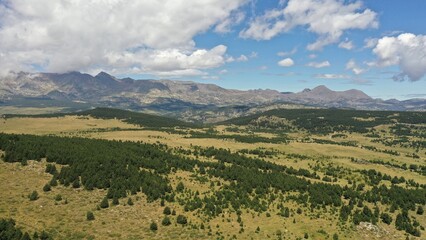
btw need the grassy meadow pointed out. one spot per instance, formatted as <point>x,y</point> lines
<point>65,218</point>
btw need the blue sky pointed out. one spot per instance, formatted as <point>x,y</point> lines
<point>378,46</point>
<point>394,16</point>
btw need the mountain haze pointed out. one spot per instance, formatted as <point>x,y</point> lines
<point>176,96</point>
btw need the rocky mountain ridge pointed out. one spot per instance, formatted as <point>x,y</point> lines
<point>106,90</point>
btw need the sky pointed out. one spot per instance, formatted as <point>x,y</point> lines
<point>377,46</point>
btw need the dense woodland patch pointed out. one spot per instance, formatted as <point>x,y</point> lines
<point>142,119</point>
<point>323,121</point>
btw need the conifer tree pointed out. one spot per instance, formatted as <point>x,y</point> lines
<point>166,221</point>
<point>33,196</point>
<point>167,211</point>
<point>90,216</point>
<point>104,203</point>
<point>153,226</point>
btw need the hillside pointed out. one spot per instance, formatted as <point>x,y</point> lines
<point>137,118</point>
<point>328,120</point>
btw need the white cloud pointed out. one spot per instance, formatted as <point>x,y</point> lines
<point>286,62</point>
<point>226,25</point>
<point>370,42</point>
<point>223,71</point>
<point>319,64</point>
<point>111,35</point>
<point>242,58</point>
<point>326,18</point>
<point>210,77</point>
<point>331,76</point>
<point>253,55</point>
<point>289,53</point>
<point>407,50</point>
<point>167,61</point>
<point>348,45</point>
<point>351,65</point>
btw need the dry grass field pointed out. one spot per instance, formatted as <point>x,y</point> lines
<point>66,218</point>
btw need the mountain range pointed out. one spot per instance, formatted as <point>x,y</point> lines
<point>179,98</point>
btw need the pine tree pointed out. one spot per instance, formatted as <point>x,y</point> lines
<point>53,182</point>
<point>33,196</point>
<point>76,183</point>
<point>386,218</point>
<point>153,226</point>
<point>180,187</point>
<point>167,211</point>
<point>202,170</point>
<point>47,188</point>
<point>181,220</point>
<point>115,201</point>
<point>44,236</point>
<point>166,221</point>
<point>90,216</point>
<point>58,197</point>
<point>420,210</point>
<point>104,203</point>
<point>286,212</point>
<point>130,202</point>
<point>26,236</point>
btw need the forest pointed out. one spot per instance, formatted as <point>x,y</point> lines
<point>323,121</point>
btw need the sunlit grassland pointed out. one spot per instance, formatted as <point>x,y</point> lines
<point>66,219</point>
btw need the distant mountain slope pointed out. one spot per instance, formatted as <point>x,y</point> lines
<point>327,120</point>
<point>137,118</point>
<point>142,119</point>
<point>168,96</point>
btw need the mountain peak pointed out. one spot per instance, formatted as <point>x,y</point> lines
<point>103,74</point>
<point>321,88</point>
<point>355,93</point>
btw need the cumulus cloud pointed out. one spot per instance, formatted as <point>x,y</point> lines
<point>286,62</point>
<point>326,18</point>
<point>137,36</point>
<point>353,66</point>
<point>319,64</point>
<point>408,51</point>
